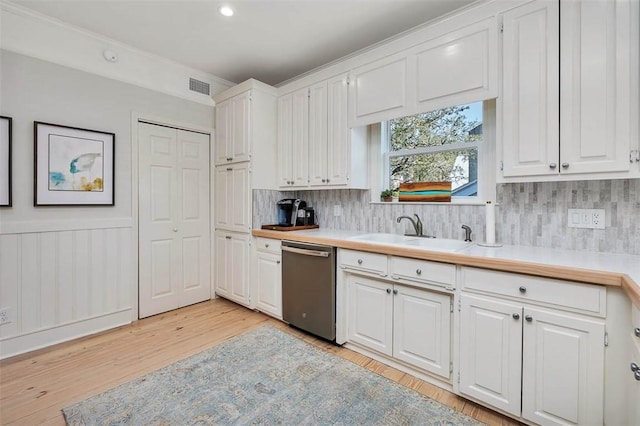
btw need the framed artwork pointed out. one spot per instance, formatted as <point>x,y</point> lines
<point>73,167</point>
<point>5,161</point>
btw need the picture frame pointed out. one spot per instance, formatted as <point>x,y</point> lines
<point>73,166</point>
<point>5,161</point>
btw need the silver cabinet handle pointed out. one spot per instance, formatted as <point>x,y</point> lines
<point>266,246</point>
<point>388,291</point>
<point>516,316</point>
<point>522,289</point>
<point>228,237</point>
<point>175,229</point>
<point>634,367</point>
<point>552,166</point>
<point>418,271</point>
<point>636,331</point>
<point>277,262</point>
<point>229,169</point>
<point>359,261</point>
<point>324,180</point>
<point>565,165</point>
<point>395,291</point>
<point>229,158</point>
<point>529,318</point>
<point>327,180</point>
<point>636,374</point>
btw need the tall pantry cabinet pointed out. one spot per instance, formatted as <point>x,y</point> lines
<point>245,131</point>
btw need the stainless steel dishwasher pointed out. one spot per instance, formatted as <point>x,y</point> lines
<point>309,287</point>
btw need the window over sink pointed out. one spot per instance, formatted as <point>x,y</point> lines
<point>453,144</point>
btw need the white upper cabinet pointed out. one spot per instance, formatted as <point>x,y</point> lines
<point>379,90</point>
<point>530,88</point>
<point>569,90</point>
<point>458,68</point>
<point>233,129</point>
<point>316,148</point>
<point>452,68</point>
<point>293,139</point>
<point>595,94</point>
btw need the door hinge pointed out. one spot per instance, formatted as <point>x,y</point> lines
<point>501,165</point>
<point>606,339</point>
<point>634,155</point>
<point>348,80</point>
<point>451,307</point>
<point>501,27</point>
<point>458,377</point>
<point>459,305</point>
<point>451,367</point>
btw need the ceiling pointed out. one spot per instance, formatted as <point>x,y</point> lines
<point>270,40</point>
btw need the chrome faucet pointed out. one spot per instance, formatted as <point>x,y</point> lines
<point>417,224</point>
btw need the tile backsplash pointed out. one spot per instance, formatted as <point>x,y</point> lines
<point>529,214</point>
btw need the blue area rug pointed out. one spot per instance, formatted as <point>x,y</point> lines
<point>265,376</point>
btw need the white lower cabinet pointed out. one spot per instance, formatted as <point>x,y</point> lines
<point>232,254</point>
<point>633,377</point>
<point>408,324</point>
<point>267,276</point>
<point>545,365</point>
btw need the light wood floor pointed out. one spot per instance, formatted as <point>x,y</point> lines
<point>35,386</point>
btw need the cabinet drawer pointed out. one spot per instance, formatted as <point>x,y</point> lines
<point>268,245</point>
<point>362,261</point>
<point>424,271</point>
<point>561,294</point>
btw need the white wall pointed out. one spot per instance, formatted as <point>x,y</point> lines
<point>69,271</point>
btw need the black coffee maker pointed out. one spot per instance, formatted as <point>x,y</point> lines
<point>291,212</point>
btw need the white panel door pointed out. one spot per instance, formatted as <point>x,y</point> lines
<point>238,262</point>
<point>370,313</point>
<point>174,244</point>
<point>318,134</point>
<point>422,329</point>
<point>239,145</point>
<point>232,209</point>
<point>300,138</point>
<point>562,369</point>
<point>224,132</point>
<point>595,102</point>
<point>490,352</point>
<point>222,282</point>
<point>530,94</point>
<point>285,140</point>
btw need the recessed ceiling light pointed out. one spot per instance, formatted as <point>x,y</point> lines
<point>226,11</point>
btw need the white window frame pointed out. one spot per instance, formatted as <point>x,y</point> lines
<point>486,159</point>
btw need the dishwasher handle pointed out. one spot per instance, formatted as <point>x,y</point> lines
<point>316,253</point>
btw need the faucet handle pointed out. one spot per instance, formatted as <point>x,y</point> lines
<point>467,233</point>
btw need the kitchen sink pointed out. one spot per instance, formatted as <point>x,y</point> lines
<point>435,244</point>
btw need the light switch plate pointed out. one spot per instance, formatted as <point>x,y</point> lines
<point>586,218</point>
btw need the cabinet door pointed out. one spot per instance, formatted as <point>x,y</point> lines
<point>232,197</point>
<point>595,105</point>
<point>221,261</point>
<point>490,352</point>
<point>268,278</point>
<point>300,139</point>
<point>338,143</point>
<point>224,132</point>
<point>318,135</point>
<point>285,140</point>
<point>530,93</point>
<point>562,369</point>
<point>238,268</point>
<point>379,90</point>
<point>458,68</point>
<point>239,144</point>
<point>370,313</point>
<point>422,329</point>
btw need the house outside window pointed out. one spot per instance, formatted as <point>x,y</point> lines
<point>436,146</point>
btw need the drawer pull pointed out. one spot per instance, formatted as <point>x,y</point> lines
<point>529,318</point>
<point>277,262</point>
<point>634,367</point>
<point>522,289</point>
<point>636,331</point>
<point>636,374</point>
<point>388,291</point>
<point>266,246</point>
<point>359,261</point>
<point>516,316</point>
<point>395,291</point>
<point>418,271</point>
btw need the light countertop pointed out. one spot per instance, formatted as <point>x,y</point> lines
<point>582,266</point>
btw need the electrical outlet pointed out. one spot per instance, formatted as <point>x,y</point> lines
<point>337,210</point>
<point>5,316</point>
<point>586,218</point>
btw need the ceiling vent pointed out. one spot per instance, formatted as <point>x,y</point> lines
<point>199,86</point>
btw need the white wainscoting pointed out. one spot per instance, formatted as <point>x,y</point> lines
<point>63,284</point>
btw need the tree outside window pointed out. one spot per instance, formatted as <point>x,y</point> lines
<point>436,146</point>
